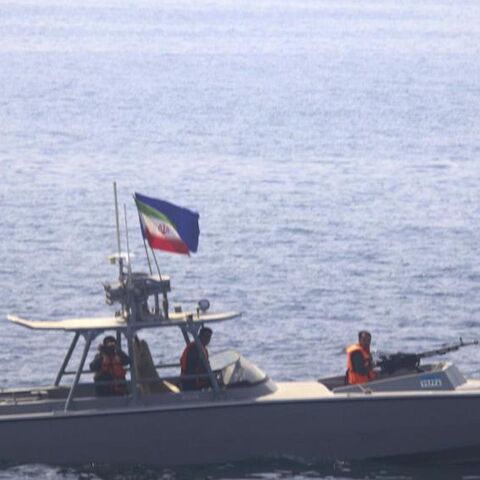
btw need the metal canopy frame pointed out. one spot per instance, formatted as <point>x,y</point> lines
<point>190,327</point>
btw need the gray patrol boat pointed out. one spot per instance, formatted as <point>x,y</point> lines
<point>409,409</point>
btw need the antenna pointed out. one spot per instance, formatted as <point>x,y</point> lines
<point>128,243</point>
<point>119,245</point>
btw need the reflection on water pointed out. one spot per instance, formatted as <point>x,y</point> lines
<point>262,469</point>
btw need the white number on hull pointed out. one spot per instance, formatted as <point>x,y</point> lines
<point>431,383</point>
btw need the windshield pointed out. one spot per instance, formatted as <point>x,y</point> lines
<point>235,369</point>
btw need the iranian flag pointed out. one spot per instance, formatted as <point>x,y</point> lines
<point>166,226</point>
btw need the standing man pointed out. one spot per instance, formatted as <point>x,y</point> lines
<point>359,360</point>
<point>191,362</point>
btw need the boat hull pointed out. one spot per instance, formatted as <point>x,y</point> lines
<point>347,428</point>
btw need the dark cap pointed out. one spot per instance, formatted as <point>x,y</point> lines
<point>205,331</point>
<point>361,333</point>
<point>109,339</point>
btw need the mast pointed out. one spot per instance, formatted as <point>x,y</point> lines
<point>132,317</point>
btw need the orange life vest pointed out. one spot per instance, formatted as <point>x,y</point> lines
<point>201,382</point>
<point>113,366</point>
<point>352,376</point>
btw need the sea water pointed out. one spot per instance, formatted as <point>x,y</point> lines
<point>331,148</point>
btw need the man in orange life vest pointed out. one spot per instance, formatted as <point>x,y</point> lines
<point>108,367</point>
<point>359,360</point>
<point>191,362</point>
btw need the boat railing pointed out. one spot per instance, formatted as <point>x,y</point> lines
<point>159,366</point>
<point>22,396</point>
<point>175,380</point>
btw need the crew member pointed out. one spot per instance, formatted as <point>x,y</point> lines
<point>108,367</point>
<point>191,362</point>
<point>359,360</point>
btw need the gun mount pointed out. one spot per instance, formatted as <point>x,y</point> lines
<point>391,363</point>
<point>398,361</point>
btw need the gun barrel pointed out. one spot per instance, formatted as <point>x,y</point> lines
<point>448,349</point>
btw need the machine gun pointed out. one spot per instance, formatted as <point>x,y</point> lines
<point>390,363</point>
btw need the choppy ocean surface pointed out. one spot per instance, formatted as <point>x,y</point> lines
<point>332,149</point>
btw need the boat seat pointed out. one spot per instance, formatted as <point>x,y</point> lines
<point>147,375</point>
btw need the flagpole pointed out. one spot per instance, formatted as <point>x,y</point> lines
<point>165,298</point>
<point>156,263</point>
<point>145,245</point>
